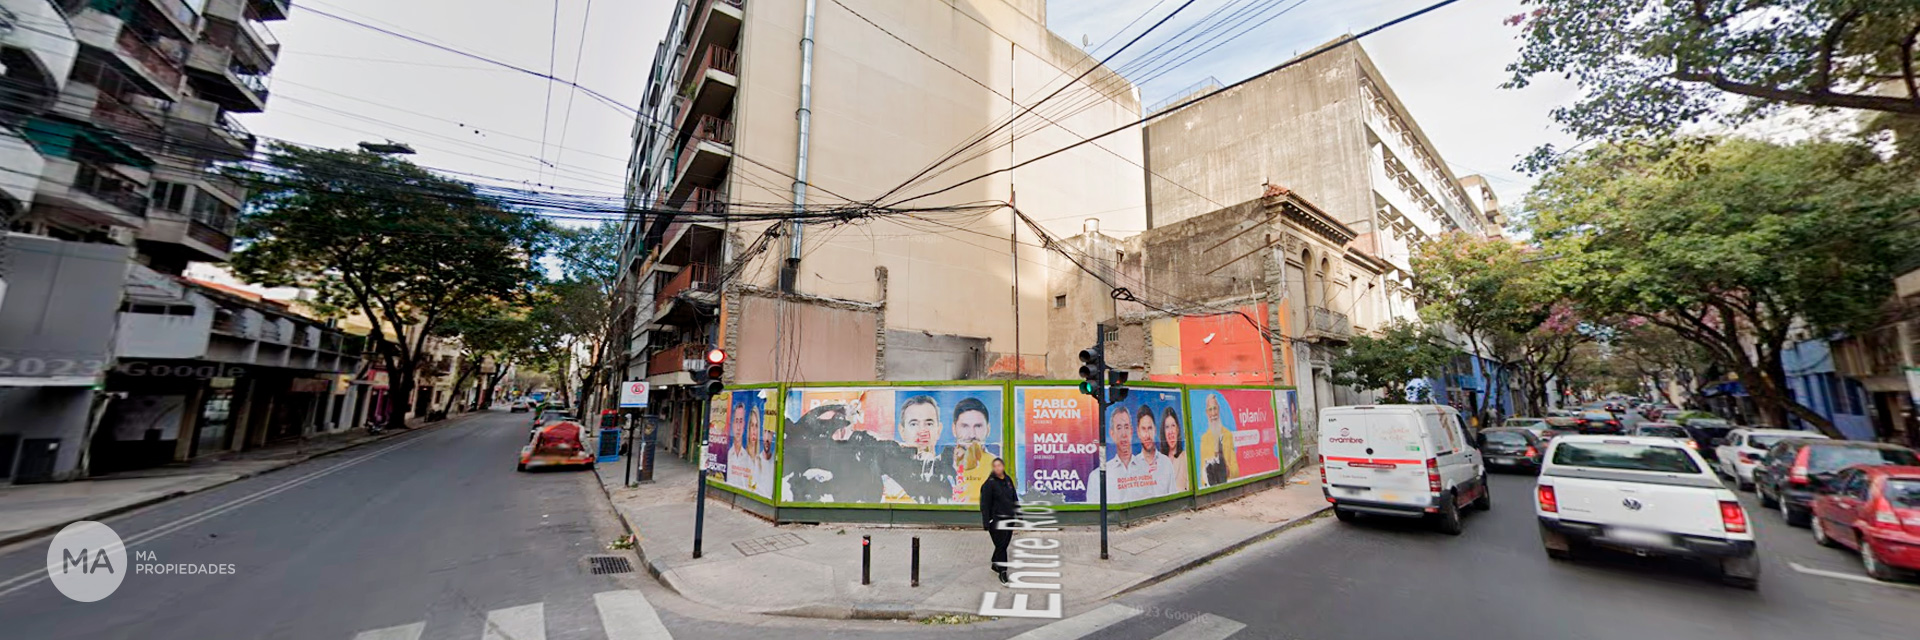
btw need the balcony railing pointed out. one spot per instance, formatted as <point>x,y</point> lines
<point>111,187</point>
<point>165,66</point>
<point>210,235</point>
<point>143,130</point>
<point>714,129</point>
<point>717,58</point>
<point>255,82</point>
<point>693,277</point>
<point>180,11</point>
<point>674,358</point>
<point>702,200</point>
<point>1328,322</point>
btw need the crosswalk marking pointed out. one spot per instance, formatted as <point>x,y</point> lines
<point>402,632</point>
<point>628,616</point>
<point>525,622</point>
<point>1205,627</point>
<point>1081,625</point>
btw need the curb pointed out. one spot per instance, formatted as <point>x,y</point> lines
<point>114,511</point>
<point>1223,552</point>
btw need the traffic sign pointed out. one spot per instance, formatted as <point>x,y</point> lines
<point>633,394</point>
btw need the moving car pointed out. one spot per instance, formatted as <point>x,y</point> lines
<point>1514,448</point>
<point>1408,460</point>
<point>520,406</point>
<point>1647,496</point>
<point>1666,430</point>
<point>1795,468</point>
<point>1705,431</point>
<point>1597,422</point>
<point>1874,510</point>
<point>1740,451</point>
<point>1562,419</point>
<point>561,443</point>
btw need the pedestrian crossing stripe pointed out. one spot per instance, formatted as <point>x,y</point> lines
<point>625,615</point>
<point>1205,627</point>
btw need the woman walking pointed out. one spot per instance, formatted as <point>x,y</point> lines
<point>997,503</point>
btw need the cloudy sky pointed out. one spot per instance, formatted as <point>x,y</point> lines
<point>338,84</point>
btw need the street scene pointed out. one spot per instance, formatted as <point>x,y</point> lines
<point>973,319</point>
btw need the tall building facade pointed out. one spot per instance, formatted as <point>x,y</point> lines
<point>1330,133</point>
<point>748,96</point>
<point>126,107</point>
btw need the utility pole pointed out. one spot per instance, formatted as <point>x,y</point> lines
<point>706,385</point>
<point>1107,386</point>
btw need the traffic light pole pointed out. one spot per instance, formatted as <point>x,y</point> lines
<point>1100,400</point>
<point>700,503</point>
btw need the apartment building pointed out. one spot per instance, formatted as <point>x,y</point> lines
<point>748,96</point>
<point>130,124</point>
<point>1327,136</point>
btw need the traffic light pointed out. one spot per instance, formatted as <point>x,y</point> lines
<point>1093,370</point>
<point>716,370</point>
<point>1116,385</point>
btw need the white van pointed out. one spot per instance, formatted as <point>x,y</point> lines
<point>1403,460</point>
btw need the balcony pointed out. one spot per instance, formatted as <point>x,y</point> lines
<point>210,132</point>
<point>1328,325</point>
<point>710,88</point>
<point>210,235</point>
<point>697,277</point>
<point>230,68</point>
<point>111,187</point>
<point>674,359</point>
<point>716,23</point>
<point>135,126</point>
<point>269,9</point>
<point>158,62</point>
<point>181,17</point>
<point>705,156</point>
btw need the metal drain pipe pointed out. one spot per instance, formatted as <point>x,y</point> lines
<point>790,274</point>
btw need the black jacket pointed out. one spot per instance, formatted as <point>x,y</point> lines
<point>998,500</point>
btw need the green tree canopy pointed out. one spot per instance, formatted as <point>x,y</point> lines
<point>1403,352</point>
<point>1729,243</point>
<point>1649,67</point>
<point>379,236</point>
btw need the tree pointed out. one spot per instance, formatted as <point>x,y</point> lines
<point>1403,352</point>
<point>574,313</point>
<point>1727,243</point>
<point>1546,353</point>
<point>1650,67</point>
<point>1481,286</point>
<point>498,333</point>
<point>381,237</point>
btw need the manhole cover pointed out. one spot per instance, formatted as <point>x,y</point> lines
<point>609,564</point>
<point>758,546</point>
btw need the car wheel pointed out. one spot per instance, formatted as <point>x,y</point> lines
<point>1344,515</point>
<point>1743,573</point>
<point>1875,568</point>
<point>1794,517</point>
<point>1766,499</point>
<point>520,467</point>
<point>1558,546</point>
<point>1485,501</point>
<point>1449,520</point>
<point>1745,485</point>
<point>1820,534</point>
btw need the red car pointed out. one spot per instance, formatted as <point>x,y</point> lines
<point>1874,510</point>
<point>557,444</point>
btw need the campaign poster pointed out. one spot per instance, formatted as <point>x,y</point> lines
<point>1290,433</point>
<point>1234,433</point>
<point>1144,438</point>
<point>1059,444</point>
<point>748,456</point>
<point>719,440</point>
<point>891,445</point>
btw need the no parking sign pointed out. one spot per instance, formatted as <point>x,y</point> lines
<point>633,394</point>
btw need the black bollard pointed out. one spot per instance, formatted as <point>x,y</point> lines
<point>916,561</point>
<point>866,559</point>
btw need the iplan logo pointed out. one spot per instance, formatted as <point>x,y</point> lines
<point>1346,437</point>
<point>87,561</point>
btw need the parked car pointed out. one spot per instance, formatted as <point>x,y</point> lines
<point>1794,468</point>
<point>1875,511</point>
<point>549,416</point>
<point>1741,450</point>
<point>1598,422</point>
<point>1413,461</point>
<point>561,443</point>
<point>1666,430</point>
<point>1516,448</point>
<point>1647,496</point>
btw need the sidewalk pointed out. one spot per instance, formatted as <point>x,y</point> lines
<point>752,566</point>
<point>32,510</point>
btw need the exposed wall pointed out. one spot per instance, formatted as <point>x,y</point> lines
<point>918,355</point>
<point>824,343</point>
<point>881,112</point>
<point>1300,128</point>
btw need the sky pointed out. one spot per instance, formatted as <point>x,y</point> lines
<point>337,84</point>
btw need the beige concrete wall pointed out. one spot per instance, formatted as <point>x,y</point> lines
<point>882,112</point>
<point>1300,128</point>
<point>823,344</point>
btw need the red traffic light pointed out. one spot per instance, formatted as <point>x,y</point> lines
<point>716,356</point>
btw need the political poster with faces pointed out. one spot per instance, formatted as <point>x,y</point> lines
<point>1235,434</point>
<point>890,445</point>
<point>747,457</point>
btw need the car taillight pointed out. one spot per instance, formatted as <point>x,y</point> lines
<point>1323,470</point>
<point>1531,452</point>
<point>1748,457</point>
<point>1548,502</point>
<point>1433,475</point>
<point>1798,475</point>
<point>1733,517</point>
<point>1883,515</point>
<point>1693,445</point>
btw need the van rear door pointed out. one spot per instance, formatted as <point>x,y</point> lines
<point>1375,456</point>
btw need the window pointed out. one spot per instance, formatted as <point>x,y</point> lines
<point>214,213</point>
<point>1831,458</point>
<point>1437,434</point>
<point>1513,438</point>
<point>170,196</point>
<point>1059,302</point>
<point>1903,492</point>
<point>1630,457</point>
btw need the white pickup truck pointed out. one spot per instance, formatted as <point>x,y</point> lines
<point>1647,496</point>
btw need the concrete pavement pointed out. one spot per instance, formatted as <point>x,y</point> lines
<point>814,570</point>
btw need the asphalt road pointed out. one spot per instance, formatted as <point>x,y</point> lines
<point>1383,579</point>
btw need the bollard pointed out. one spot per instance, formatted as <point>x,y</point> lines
<point>866,559</point>
<point>916,561</point>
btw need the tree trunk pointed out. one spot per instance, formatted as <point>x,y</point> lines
<point>399,395</point>
<point>466,374</point>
